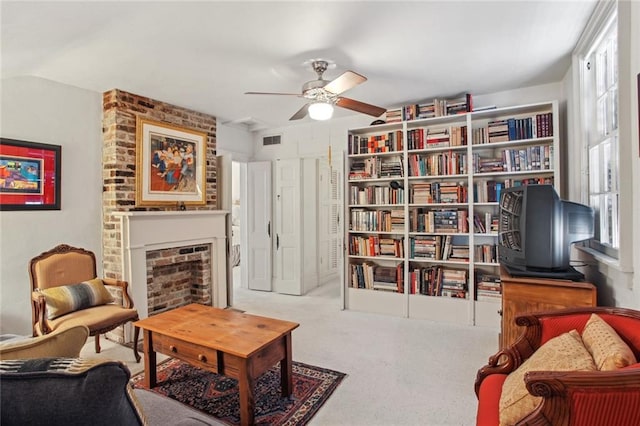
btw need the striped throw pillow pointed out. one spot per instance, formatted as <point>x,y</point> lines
<point>69,298</point>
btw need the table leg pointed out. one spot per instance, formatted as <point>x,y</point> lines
<point>286,368</point>
<point>247,403</point>
<point>150,378</point>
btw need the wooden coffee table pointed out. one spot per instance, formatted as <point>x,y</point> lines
<point>227,342</point>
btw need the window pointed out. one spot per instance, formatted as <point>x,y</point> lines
<point>599,95</point>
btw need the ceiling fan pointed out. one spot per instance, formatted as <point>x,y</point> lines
<point>323,94</point>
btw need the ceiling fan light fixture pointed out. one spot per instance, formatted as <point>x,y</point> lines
<point>320,111</point>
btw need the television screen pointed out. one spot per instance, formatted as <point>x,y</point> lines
<point>536,231</point>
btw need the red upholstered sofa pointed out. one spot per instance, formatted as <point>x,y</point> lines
<point>568,397</point>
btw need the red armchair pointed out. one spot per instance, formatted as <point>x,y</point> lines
<point>568,398</point>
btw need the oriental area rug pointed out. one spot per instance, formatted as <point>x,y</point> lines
<point>218,395</point>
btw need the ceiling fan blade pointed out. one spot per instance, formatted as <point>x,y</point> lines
<point>302,112</point>
<point>344,82</point>
<point>360,107</point>
<point>272,93</point>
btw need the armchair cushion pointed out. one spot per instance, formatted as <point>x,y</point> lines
<point>69,298</point>
<point>609,351</point>
<point>61,343</point>
<point>562,353</point>
<point>96,318</point>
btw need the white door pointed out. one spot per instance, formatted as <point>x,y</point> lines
<point>287,242</point>
<point>259,226</point>
<point>329,216</point>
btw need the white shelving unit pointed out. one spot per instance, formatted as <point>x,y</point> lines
<point>392,201</point>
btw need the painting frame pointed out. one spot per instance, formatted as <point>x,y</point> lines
<point>170,164</point>
<point>30,175</point>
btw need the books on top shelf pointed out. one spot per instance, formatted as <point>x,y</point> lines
<point>429,109</point>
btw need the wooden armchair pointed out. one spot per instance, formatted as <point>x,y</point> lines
<point>66,292</point>
<point>566,397</point>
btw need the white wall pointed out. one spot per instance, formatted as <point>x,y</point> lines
<point>39,110</point>
<point>233,141</point>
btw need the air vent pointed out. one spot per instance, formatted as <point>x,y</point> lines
<point>271,140</point>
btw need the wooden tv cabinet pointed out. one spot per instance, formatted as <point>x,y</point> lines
<point>522,295</point>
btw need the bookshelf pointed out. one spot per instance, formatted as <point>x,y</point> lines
<point>422,208</point>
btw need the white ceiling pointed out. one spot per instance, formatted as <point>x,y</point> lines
<point>204,55</point>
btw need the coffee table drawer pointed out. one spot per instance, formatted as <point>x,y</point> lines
<point>189,352</point>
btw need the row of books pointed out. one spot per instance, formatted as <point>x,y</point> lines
<point>438,192</point>
<point>439,281</point>
<point>486,253</point>
<point>437,247</point>
<point>375,245</point>
<point>488,286</point>
<point>375,167</point>
<point>370,276</point>
<point>438,220</point>
<point>440,164</point>
<point>508,183</point>
<point>377,220</point>
<point>376,195</point>
<point>372,144</point>
<point>430,281</point>
<point>486,224</point>
<point>518,128</point>
<point>539,157</point>
<point>434,137</point>
<point>487,191</point>
<point>434,108</point>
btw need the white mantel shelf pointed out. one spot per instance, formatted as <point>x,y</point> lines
<point>144,231</point>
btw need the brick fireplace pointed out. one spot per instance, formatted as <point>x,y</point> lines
<point>174,258</point>
<point>126,254</point>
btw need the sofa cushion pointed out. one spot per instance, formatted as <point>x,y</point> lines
<point>562,353</point>
<point>608,350</point>
<point>66,391</point>
<point>69,298</point>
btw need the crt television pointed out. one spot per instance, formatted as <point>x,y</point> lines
<point>536,231</point>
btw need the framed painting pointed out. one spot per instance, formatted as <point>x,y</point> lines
<point>30,175</point>
<point>170,164</point>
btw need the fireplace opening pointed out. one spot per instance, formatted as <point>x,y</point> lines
<point>177,277</point>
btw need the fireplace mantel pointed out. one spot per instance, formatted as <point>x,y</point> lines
<point>144,231</point>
